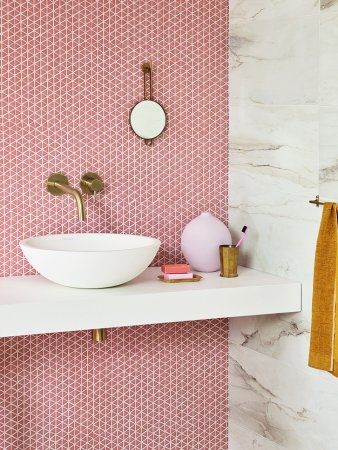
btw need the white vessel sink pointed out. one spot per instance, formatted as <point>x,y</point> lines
<point>90,260</point>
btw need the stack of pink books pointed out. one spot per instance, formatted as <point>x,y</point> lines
<point>176,272</point>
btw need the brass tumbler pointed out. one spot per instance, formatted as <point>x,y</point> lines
<point>229,260</point>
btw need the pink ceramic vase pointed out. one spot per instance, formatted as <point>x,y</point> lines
<point>200,242</point>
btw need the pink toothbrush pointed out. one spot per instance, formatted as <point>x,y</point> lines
<point>244,231</point>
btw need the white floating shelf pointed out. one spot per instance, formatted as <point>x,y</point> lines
<point>32,304</point>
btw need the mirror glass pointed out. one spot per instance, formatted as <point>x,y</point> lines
<point>148,119</point>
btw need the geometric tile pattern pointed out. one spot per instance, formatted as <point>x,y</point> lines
<point>70,73</point>
<point>157,387</point>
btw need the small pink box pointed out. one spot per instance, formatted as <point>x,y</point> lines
<point>175,268</point>
<point>178,276</point>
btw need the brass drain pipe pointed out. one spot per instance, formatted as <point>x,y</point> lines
<point>99,335</point>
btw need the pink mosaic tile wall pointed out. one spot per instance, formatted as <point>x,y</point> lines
<point>157,387</point>
<point>69,74</point>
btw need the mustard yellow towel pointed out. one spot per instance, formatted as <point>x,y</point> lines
<point>324,326</point>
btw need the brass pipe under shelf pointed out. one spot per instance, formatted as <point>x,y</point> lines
<point>99,334</point>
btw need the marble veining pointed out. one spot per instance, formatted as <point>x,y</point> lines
<point>265,52</point>
<point>284,151</point>
<point>282,136</point>
<point>328,55</point>
<point>273,173</point>
<point>283,337</point>
<point>328,159</point>
<point>290,407</point>
<point>259,404</point>
<point>280,327</point>
<point>271,9</point>
<point>324,4</point>
<point>330,172</point>
<point>241,438</point>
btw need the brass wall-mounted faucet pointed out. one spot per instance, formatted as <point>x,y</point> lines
<point>91,184</point>
<point>57,184</point>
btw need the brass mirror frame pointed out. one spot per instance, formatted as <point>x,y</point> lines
<point>147,69</point>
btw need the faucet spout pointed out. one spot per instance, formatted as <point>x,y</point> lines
<point>57,184</point>
<point>78,197</point>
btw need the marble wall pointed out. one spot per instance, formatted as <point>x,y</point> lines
<point>284,151</point>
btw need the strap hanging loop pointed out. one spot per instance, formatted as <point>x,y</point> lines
<point>147,70</point>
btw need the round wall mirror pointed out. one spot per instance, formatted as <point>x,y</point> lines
<point>148,119</point>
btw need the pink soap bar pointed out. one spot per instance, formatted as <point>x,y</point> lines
<point>178,276</point>
<point>175,268</point>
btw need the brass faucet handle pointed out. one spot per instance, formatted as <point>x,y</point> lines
<point>91,183</point>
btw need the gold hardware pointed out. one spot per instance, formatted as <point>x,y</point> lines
<point>195,278</point>
<point>229,260</point>
<point>316,202</point>
<point>57,184</point>
<point>99,335</point>
<point>91,183</point>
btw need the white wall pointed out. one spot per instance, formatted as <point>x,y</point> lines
<point>284,151</point>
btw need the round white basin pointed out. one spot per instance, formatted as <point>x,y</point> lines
<point>90,260</point>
